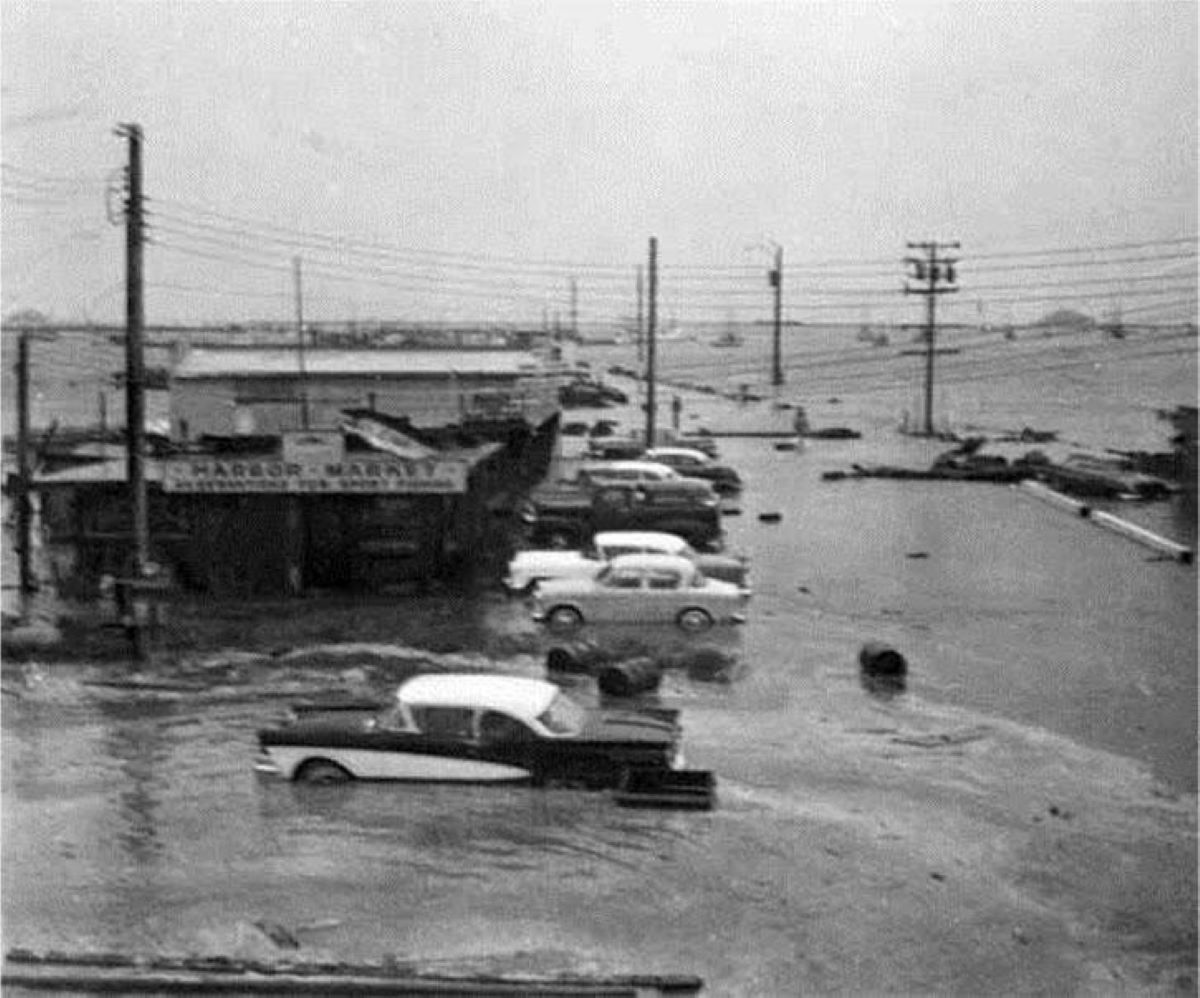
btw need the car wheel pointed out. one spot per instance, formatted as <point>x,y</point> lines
<point>694,620</point>
<point>323,771</point>
<point>564,618</point>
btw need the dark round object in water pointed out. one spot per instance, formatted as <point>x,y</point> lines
<point>770,517</point>
<point>579,656</point>
<point>879,659</point>
<point>709,665</point>
<point>624,679</point>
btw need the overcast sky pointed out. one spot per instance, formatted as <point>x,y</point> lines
<point>503,148</point>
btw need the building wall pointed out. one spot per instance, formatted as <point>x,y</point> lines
<point>258,405</point>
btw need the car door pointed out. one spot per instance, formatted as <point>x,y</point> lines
<point>665,594</point>
<point>618,596</point>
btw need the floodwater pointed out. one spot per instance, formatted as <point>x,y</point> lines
<point>1019,819</point>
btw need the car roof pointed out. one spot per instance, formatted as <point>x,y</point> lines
<point>668,542</point>
<point>521,697</point>
<point>627,466</point>
<point>699,455</point>
<point>674,562</point>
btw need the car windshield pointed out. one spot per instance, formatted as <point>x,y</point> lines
<point>563,717</point>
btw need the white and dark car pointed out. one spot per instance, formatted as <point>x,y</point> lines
<point>641,589</point>
<point>529,567</point>
<point>473,728</point>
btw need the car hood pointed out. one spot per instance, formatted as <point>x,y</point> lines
<point>564,587</point>
<point>322,732</point>
<point>526,560</point>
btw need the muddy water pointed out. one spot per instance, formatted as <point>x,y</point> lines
<point>132,821</point>
<point>1021,819</point>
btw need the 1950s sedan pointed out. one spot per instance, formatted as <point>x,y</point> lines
<point>644,589</point>
<point>529,567</point>
<point>473,728</point>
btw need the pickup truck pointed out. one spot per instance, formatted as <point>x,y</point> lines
<point>567,516</point>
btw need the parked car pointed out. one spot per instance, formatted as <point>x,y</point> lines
<point>476,728</point>
<point>607,472</point>
<point>565,516</point>
<point>641,588</point>
<point>587,392</point>
<point>625,446</point>
<point>529,567</point>
<point>696,464</point>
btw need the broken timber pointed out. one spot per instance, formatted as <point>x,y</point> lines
<point>93,973</point>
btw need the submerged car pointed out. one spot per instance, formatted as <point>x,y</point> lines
<point>644,589</point>
<point>529,567</point>
<point>476,728</point>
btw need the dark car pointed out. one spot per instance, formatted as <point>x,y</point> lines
<point>567,516</point>
<point>697,464</point>
<point>473,728</point>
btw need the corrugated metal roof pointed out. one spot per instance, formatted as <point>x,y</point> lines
<point>252,362</point>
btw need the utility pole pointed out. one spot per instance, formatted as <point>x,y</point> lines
<point>940,279</point>
<point>24,513</point>
<point>652,315</point>
<point>135,377</point>
<point>639,333</point>
<point>299,285</point>
<point>776,279</point>
<point>574,310</point>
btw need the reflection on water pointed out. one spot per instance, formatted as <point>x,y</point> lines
<point>141,749</point>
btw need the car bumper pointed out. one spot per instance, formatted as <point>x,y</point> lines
<point>264,765</point>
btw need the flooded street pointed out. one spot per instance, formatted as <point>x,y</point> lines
<point>1019,819</point>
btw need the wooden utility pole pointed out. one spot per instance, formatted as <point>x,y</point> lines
<point>652,317</point>
<point>135,391</point>
<point>24,513</point>
<point>574,310</point>
<point>299,287</point>
<point>639,333</point>
<point>776,279</point>
<point>935,272</point>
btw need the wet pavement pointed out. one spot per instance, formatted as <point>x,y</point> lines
<point>1019,819</point>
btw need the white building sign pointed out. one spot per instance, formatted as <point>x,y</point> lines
<point>275,475</point>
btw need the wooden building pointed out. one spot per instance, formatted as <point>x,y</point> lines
<point>335,469</point>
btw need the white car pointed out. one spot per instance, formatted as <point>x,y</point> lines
<point>606,472</point>
<point>529,567</point>
<point>643,589</point>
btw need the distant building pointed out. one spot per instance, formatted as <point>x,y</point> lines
<point>241,391</point>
